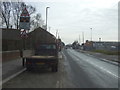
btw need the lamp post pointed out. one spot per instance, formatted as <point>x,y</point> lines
<point>46,16</point>
<point>91,34</point>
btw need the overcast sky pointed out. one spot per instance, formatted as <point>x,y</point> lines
<point>72,17</point>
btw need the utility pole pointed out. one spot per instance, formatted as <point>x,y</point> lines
<point>79,39</point>
<point>49,29</point>
<point>56,33</point>
<point>99,39</point>
<point>46,16</point>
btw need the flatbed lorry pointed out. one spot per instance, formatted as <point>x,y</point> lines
<point>45,56</point>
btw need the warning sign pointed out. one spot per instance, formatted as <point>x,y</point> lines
<point>24,20</point>
<point>25,13</point>
<point>24,34</point>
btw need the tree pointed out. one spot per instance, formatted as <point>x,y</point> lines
<point>12,11</point>
<point>5,10</point>
<point>75,45</point>
<point>30,9</point>
<point>36,21</point>
<point>17,10</point>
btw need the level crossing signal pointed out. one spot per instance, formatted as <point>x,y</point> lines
<point>23,34</point>
<point>24,20</point>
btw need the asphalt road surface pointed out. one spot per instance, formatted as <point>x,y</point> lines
<point>76,70</point>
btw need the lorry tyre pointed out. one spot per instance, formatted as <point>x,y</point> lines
<point>28,69</point>
<point>54,68</point>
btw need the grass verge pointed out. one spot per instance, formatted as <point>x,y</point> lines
<point>107,52</point>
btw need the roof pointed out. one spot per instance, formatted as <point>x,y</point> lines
<point>42,36</point>
<point>43,30</point>
<point>37,34</point>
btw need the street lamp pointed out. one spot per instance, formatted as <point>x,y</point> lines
<point>83,36</point>
<point>91,34</point>
<point>46,16</point>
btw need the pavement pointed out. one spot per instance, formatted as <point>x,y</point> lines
<point>110,58</point>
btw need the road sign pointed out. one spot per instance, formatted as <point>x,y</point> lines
<point>25,12</point>
<point>24,25</point>
<point>24,20</point>
<point>24,34</point>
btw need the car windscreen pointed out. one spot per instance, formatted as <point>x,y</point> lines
<point>47,47</point>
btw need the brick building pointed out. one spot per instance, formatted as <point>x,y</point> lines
<point>101,45</point>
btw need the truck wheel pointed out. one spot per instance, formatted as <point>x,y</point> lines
<point>23,62</point>
<point>28,69</point>
<point>54,68</point>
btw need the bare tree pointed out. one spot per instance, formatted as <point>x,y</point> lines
<point>36,21</point>
<point>30,9</point>
<point>5,9</point>
<point>18,7</point>
<point>1,18</point>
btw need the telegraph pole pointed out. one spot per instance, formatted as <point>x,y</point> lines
<point>99,39</point>
<point>49,29</point>
<point>56,33</point>
<point>79,39</point>
<point>83,36</point>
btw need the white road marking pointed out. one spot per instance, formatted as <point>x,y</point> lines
<point>64,56</point>
<point>60,56</point>
<point>12,76</point>
<point>103,59</point>
<point>105,70</point>
<point>116,63</point>
<point>102,68</point>
<point>58,84</point>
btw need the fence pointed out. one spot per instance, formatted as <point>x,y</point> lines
<point>10,55</point>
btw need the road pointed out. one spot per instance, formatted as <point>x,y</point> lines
<point>76,70</point>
